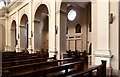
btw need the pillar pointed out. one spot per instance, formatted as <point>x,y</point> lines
<point>102,23</point>
<point>17,33</point>
<point>52,50</point>
<point>7,46</point>
<point>30,28</point>
<point>61,23</point>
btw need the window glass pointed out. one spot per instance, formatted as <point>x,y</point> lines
<point>2,4</point>
<point>71,15</point>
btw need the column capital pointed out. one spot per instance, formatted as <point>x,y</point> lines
<point>103,51</point>
<point>38,21</point>
<point>22,26</point>
<point>61,12</point>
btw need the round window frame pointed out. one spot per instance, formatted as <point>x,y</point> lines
<point>71,18</point>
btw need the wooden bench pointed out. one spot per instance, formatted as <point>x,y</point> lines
<point>33,66</point>
<point>24,56</point>
<point>83,56</point>
<point>45,71</point>
<point>25,61</point>
<point>8,54</point>
<point>101,71</point>
<point>20,57</point>
<point>20,54</point>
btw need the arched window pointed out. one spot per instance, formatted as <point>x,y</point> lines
<point>78,28</point>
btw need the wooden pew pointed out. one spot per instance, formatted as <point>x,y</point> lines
<point>5,54</point>
<point>24,56</point>
<point>25,61</point>
<point>83,56</point>
<point>13,54</point>
<point>33,66</point>
<point>20,57</point>
<point>45,71</point>
<point>101,71</point>
<point>19,54</point>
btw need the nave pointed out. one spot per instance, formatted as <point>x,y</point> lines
<point>36,31</point>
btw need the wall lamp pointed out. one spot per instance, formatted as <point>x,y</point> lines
<point>111,18</point>
<point>31,34</point>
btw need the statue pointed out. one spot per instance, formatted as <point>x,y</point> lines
<point>78,28</point>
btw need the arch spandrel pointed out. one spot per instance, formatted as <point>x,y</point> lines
<point>60,5</point>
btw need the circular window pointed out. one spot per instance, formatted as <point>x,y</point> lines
<point>2,4</point>
<point>71,15</point>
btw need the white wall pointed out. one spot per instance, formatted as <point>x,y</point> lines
<point>114,35</point>
<point>82,19</point>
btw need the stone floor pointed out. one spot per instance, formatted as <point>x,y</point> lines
<point>115,74</point>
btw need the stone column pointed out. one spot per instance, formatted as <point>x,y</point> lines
<point>7,46</point>
<point>51,15</point>
<point>30,28</point>
<point>102,19</point>
<point>61,23</point>
<point>17,33</point>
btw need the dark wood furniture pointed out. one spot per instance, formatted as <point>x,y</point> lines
<point>100,71</point>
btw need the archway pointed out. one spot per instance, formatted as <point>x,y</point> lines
<point>24,32</point>
<point>75,40</point>
<point>41,28</point>
<point>13,35</point>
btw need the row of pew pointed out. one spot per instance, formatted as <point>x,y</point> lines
<point>37,66</point>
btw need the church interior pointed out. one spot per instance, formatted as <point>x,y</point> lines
<point>59,38</point>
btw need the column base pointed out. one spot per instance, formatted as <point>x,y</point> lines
<point>17,48</point>
<point>99,57</point>
<point>109,71</point>
<point>30,50</point>
<point>52,53</point>
<point>7,48</point>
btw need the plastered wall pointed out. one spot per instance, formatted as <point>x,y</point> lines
<point>114,35</point>
<point>82,18</point>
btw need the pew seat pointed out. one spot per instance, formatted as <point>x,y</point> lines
<point>43,72</point>
<point>33,66</point>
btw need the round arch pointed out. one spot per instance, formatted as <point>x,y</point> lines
<point>41,9</point>
<point>13,36</point>
<point>78,43</point>
<point>23,14</point>
<point>41,28</point>
<point>38,5</point>
<point>24,32</point>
